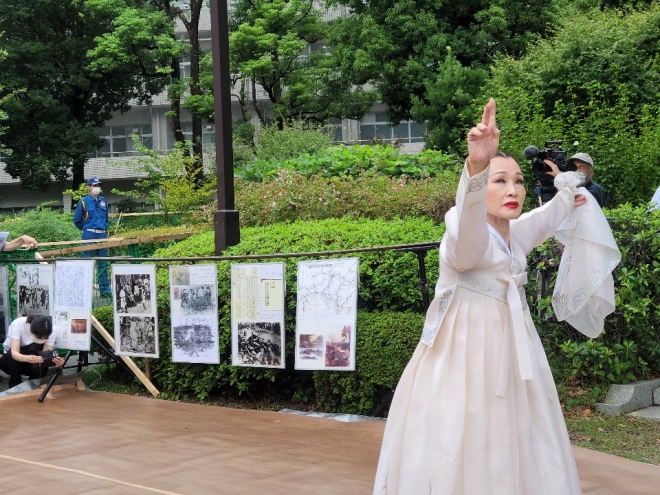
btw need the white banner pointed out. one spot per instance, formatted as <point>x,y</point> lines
<point>73,304</point>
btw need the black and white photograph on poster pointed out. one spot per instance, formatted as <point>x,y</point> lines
<point>137,336</point>
<point>259,344</point>
<point>132,293</point>
<point>194,299</point>
<point>310,346</point>
<point>34,300</point>
<point>34,289</point>
<point>61,318</point>
<point>195,339</point>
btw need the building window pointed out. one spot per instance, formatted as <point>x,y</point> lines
<point>184,67</point>
<point>119,139</point>
<point>208,133</point>
<point>374,127</point>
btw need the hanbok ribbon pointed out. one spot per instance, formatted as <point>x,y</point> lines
<point>519,335</point>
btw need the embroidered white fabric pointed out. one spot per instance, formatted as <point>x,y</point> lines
<point>584,290</point>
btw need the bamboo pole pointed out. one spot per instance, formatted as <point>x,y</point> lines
<point>129,362</point>
<point>117,243</point>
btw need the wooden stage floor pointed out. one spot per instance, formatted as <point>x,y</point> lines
<point>99,443</point>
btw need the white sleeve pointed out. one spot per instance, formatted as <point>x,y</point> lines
<point>466,233</point>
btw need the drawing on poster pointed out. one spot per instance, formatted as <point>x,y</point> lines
<point>137,334</point>
<point>327,289</point>
<point>180,275</point>
<point>310,347</point>
<point>260,343</point>
<point>133,293</point>
<point>61,318</point>
<point>193,336</point>
<point>78,325</point>
<point>34,300</point>
<point>73,293</point>
<point>27,275</point>
<point>338,349</point>
<point>195,299</point>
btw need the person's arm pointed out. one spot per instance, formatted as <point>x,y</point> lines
<point>467,229</point>
<point>23,358</point>
<point>78,215</point>
<point>533,228</point>
<point>19,241</point>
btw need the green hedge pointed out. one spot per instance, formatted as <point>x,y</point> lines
<point>388,281</point>
<point>385,343</point>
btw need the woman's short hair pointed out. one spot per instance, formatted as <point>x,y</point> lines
<point>502,154</point>
<point>41,326</point>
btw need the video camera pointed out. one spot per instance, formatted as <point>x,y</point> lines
<point>556,155</point>
<point>553,152</point>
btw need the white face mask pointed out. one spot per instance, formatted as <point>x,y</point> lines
<point>582,176</point>
<point>96,191</point>
<point>39,341</point>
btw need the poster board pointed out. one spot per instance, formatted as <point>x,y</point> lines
<point>73,304</point>
<point>326,314</point>
<point>34,287</point>
<point>194,313</point>
<point>257,315</point>
<point>135,312</point>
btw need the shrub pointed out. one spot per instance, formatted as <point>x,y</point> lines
<point>388,281</point>
<point>291,197</point>
<point>293,140</point>
<point>42,223</point>
<point>385,342</point>
<point>353,161</point>
<point>629,348</point>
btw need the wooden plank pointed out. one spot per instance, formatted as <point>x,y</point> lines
<point>129,362</point>
<point>79,241</point>
<point>112,244</point>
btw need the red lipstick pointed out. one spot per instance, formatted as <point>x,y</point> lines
<point>512,204</point>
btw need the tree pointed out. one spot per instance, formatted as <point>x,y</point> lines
<point>58,54</point>
<point>592,51</point>
<point>192,86</point>
<point>399,47</point>
<point>269,46</point>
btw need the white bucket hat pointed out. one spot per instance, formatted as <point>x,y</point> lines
<point>582,156</point>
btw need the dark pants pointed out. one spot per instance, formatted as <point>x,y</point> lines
<point>101,266</point>
<point>15,369</point>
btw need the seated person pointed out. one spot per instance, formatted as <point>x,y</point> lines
<point>27,336</point>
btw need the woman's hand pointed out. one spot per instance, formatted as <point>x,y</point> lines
<point>483,140</point>
<point>58,361</point>
<point>580,199</point>
<point>34,359</point>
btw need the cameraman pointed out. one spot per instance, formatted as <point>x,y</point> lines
<point>26,337</point>
<point>585,168</point>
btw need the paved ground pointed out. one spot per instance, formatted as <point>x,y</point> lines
<point>100,443</point>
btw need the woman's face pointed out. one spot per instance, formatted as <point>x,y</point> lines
<point>506,189</point>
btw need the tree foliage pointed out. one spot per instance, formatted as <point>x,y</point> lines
<point>400,46</point>
<point>269,46</point>
<point>595,51</point>
<point>76,77</point>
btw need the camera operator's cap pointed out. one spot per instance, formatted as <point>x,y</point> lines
<point>582,156</point>
<point>93,181</point>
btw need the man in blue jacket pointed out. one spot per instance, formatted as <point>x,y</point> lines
<point>91,216</point>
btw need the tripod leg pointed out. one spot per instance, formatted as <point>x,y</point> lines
<point>53,378</point>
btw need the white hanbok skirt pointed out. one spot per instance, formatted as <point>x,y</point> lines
<point>448,433</point>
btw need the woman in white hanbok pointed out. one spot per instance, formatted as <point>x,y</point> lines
<point>476,411</point>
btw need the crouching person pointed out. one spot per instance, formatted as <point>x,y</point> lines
<point>26,337</point>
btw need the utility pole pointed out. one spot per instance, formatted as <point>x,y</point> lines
<point>225,220</point>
